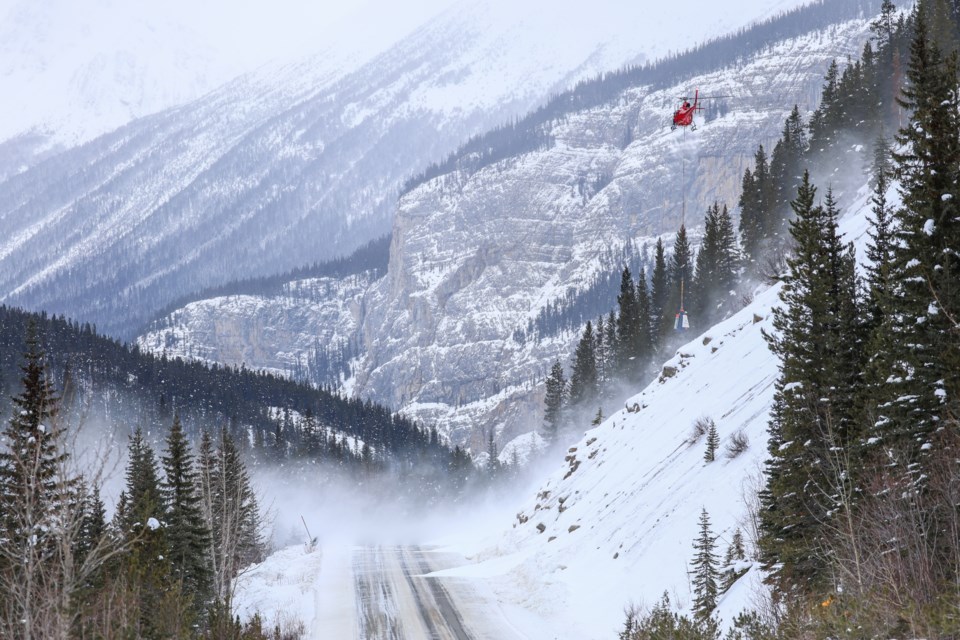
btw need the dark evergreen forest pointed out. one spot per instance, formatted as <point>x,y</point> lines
<point>272,419</point>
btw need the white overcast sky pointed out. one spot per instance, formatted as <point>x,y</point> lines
<point>91,65</point>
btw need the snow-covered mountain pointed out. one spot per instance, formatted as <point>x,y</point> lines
<point>297,162</point>
<point>476,256</point>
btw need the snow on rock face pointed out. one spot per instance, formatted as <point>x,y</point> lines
<point>475,257</point>
<point>274,333</point>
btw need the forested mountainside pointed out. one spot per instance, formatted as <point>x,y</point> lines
<point>478,255</point>
<point>117,388</point>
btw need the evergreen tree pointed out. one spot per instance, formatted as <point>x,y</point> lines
<point>141,498</point>
<point>162,611</point>
<point>598,418</point>
<point>827,116</point>
<point>785,169</point>
<point>884,26</point>
<point>659,284</point>
<point>813,409</point>
<point>31,489</point>
<point>713,443</point>
<point>716,270</point>
<point>736,552</point>
<point>93,523</point>
<point>610,342</point>
<point>756,199</point>
<point>880,247</point>
<point>604,372</point>
<point>493,464</point>
<point>705,571</point>
<point>236,539</point>
<point>187,533</point>
<point>681,277</point>
<point>629,332</point>
<point>583,379</point>
<point>556,389</point>
<point>35,500</point>
<point>646,342</point>
<point>920,345</point>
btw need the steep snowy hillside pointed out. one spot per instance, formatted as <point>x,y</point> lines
<point>293,164</point>
<point>615,522</point>
<point>611,524</point>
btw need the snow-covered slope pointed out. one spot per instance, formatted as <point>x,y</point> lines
<point>613,522</point>
<point>619,515</point>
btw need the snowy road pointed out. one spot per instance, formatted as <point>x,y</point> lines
<point>378,593</point>
<point>395,598</point>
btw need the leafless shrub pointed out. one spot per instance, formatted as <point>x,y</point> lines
<point>738,443</point>
<point>895,549</point>
<point>288,627</point>
<point>701,427</point>
<point>773,264</point>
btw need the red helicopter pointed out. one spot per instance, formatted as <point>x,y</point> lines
<point>683,117</point>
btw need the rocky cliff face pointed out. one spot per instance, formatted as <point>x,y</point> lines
<point>278,333</point>
<point>476,256</point>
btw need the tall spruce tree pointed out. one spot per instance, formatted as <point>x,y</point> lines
<point>187,532</point>
<point>646,342</point>
<point>162,610</point>
<point>556,390</point>
<point>604,368</point>
<point>610,340</point>
<point>629,332</point>
<point>812,411</point>
<point>30,485</point>
<point>786,164</point>
<point>756,198</point>
<point>681,278</point>
<point>659,283</point>
<point>826,118</point>
<point>235,518</point>
<point>920,348</point>
<point>717,265</point>
<point>583,378</point>
<point>705,570</point>
<point>35,495</point>
<point>879,254</point>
